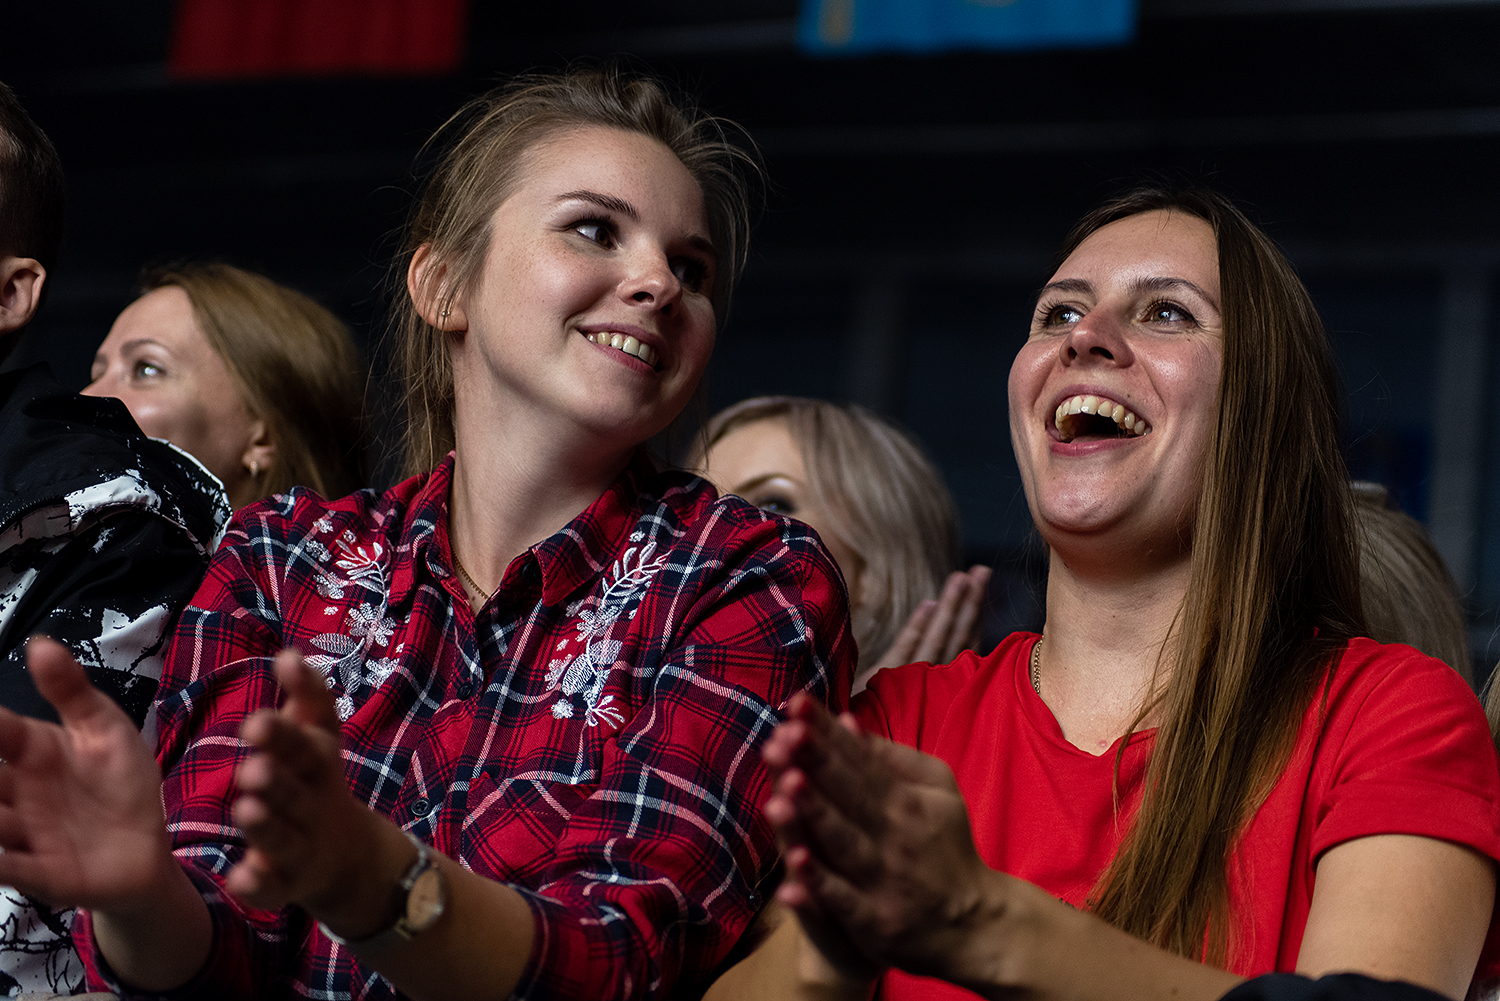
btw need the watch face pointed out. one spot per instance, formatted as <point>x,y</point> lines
<point>424,903</point>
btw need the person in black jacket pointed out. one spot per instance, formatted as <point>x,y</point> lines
<point>104,533</point>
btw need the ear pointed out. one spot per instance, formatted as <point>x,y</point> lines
<point>21,281</point>
<point>261,451</point>
<point>427,284</point>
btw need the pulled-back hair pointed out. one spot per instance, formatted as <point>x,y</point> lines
<point>480,168</point>
<point>31,186</point>
<point>295,366</point>
<point>1273,593</point>
<point>889,501</point>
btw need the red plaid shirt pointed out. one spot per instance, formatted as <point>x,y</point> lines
<point>589,737</point>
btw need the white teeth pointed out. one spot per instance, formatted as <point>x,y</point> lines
<point>629,345</point>
<point>1090,404</point>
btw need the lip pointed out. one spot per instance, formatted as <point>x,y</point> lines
<point>641,334</point>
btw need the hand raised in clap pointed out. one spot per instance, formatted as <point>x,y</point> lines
<point>310,842</point>
<point>943,627</point>
<point>80,804</point>
<point>881,865</point>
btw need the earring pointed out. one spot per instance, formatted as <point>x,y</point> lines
<point>444,314</point>
<point>254,469</point>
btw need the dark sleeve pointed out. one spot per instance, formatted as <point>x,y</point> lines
<point>1335,987</point>
<point>111,593</point>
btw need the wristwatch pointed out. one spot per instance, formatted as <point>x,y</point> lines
<point>422,893</point>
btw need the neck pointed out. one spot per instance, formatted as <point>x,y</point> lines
<point>515,486</point>
<point>1106,635</point>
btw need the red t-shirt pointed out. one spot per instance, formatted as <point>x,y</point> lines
<point>1402,748</point>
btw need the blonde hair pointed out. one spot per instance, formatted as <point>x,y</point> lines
<point>889,501</point>
<point>1409,595</point>
<point>483,165</point>
<point>295,366</point>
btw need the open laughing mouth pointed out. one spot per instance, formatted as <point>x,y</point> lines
<point>627,344</point>
<point>1092,418</point>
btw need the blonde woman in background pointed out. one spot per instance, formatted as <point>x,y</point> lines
<point>878,504</point>
<point>1409,594</point>
<point>253,379</point>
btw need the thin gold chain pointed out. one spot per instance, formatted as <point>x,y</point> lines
<point>1036,664</point>
<point>486,595</point>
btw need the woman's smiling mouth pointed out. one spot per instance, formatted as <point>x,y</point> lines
<point>625,343</point>
<point>1090,418</point>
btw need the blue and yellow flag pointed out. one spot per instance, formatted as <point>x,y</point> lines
<point>831,27</point>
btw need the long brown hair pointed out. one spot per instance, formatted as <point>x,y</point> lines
<point>480,169</point>
<point>1273,595</point>
<point>890,502</point>
<point>295,366</point>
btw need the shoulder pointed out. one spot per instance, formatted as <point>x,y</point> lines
<point>85,458</point>
<point>1370,681</point>
<point>909,703</point>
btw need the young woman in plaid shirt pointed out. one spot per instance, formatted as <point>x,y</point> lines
<point>521,753</point>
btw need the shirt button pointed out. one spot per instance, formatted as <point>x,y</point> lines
<point>466,689</point>
<point>421,808</point>
<point>531,573</point>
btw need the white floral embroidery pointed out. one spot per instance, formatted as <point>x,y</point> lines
<point>346,656</point>
<point>584,675</point>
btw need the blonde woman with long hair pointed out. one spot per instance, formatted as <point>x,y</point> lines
<point>879,505</point>
<point>1199,772</point>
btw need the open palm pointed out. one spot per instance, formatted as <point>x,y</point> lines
<point>80,804</point>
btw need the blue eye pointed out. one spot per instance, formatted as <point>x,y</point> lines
<point>145,370</point>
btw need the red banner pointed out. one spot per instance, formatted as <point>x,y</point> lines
<point>217,39</point>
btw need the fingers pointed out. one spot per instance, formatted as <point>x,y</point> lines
<point>903,649</point>
<point>308,700</point>
<point>833,758</point>
<point>12,735</point>
<point>63,683</point>
<point>963,634</point>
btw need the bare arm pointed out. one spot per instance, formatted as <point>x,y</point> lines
<point>879,855</point>
<point>1400,908</point>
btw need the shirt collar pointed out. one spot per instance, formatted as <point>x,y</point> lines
<point>568,560</point>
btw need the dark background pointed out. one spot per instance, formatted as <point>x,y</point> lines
<point>915,204</point>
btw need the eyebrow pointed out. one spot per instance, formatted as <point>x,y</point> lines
<point>610,202</point>
<point>1079,285</point>
<point>629,211</point>
<point>762,480</point>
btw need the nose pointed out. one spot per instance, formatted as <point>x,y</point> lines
<point>651,282</point>
<point>1098,338</point>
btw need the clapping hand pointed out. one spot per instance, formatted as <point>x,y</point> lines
<point>941,628</point>
<point>310,842</point>
<point>80,803</point>
<point>881,865</point>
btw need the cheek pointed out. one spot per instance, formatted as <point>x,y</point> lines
<point>1027,375</point>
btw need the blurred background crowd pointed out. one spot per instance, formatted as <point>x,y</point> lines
<point>914,196</point>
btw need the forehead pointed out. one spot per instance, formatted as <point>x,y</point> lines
<point>760,446</point>
<point>1156,244</point>
<point>164,314</point>
<point>628,165</point>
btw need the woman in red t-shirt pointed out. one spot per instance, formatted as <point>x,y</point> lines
<point>1196,774</point>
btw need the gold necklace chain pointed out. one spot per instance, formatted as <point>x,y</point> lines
<point>486,595</point>
<point>1036,665</point>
